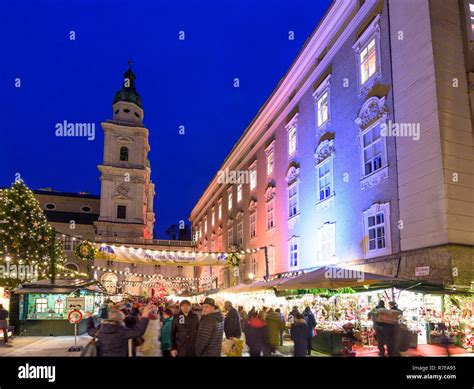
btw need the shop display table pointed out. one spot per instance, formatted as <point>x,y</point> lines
<point>329,342</point>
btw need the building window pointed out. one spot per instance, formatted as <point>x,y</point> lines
<point>368,61</point>
<point>253,176</point>
<point>372,149</point>
<point>86,209</point>
<point>41,305</point>
<point>50,206</point>
<point>326,242</point>
<point>253,225</point>
<point>367,51</point>
<point>229,201</point>
<point>123,153</point>
<point>213,216</point>
<point>471,17</point>
<point>372,140</point>
<point>59,306</point>
<point>121,212</point>
<point>270,156</point>
<point>230,236</point>
<point>292,140</point>
<point>271,260</point>
<point>293,252</point>
<point>205,225</point>
<point>239,193</point>
<point>219,209</point>
<point>253,265</point>
<point>270,214</point>
<point>67,243</point>
<point>324,180</point>
<point>72,266</point>
<point>240,233</point>
<point>323,109</point>
<point>293,200</point>
<point>377,230</point>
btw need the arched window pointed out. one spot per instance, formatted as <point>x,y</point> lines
<point>123,153</point>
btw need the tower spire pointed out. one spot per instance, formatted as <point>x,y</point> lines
<point>128,92</point>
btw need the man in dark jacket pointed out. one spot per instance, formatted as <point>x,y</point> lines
<point>184,329</point>
<point>4,323</point>
<point>311,323</point>
<point>301,335</point>
<point>292,315</point>
<point>379,328</point>
<point>211,330</point>
<point>112,334</point>
<point>232,325</point>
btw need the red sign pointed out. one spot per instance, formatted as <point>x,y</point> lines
<point>74,317</point>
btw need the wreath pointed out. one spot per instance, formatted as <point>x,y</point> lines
<point>86,251</point>
<point>232,260</point>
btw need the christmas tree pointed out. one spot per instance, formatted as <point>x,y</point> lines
<point>25,238</point>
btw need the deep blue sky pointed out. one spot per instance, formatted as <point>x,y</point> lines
<point>186,83</point>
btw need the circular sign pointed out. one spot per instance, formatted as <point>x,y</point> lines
<point>74,317</point>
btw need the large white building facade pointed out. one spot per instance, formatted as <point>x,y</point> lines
<point>363,154</point>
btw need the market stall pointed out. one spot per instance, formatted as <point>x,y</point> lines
<point>43,310</point>
<point>342,297</point>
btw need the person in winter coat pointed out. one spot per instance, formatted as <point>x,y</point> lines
<point>211,330</point>
<point>112,335</point>
<point>4,323</point>
<point>282,331</point>
<point>301,335</point>
<point>232,326</point>
<point>379,328</point>
<point>166,332</point>
<point>275,326</point>
<point>292,315</point>
<point>256,335</point>
<point>184,328</point>
<point>311,323</point>
<point>243,317</point>
<point>151,346</point>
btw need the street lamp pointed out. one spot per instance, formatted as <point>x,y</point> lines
<point>251,276</point>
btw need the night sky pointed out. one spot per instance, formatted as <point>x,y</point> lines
<point>186,83</point>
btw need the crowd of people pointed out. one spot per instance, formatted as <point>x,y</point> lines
<point>167,329</point>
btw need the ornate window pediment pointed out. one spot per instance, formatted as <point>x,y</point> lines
<point>239,215</point>
<point>293,172</point>
<point>219,231</point>
<point>253,205</point>
<point>270,193</point>
<point>324,150</point>
<point>372,110</point>
<point>230,221</point>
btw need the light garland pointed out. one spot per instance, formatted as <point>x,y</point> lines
<point>155,276</point>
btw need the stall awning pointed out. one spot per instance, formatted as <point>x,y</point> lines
<point>333,278</point>
<point>256,286</point>
<point>60,287</point>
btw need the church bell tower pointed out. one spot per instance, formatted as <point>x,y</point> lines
<point>127,192</point>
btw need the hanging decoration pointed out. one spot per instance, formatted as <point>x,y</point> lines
<point>232,260</point>
<point>85,251</point>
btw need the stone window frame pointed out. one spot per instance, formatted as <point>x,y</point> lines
<point>294,240</point>
<point>373,113</point>
<point>292,124</point>
<point>326,227</point>
<point>372,211</point>
<point>270,150</point>
<point>325,153</point>
<point>253,169</point>
<point>372,31</point>
<point>324,87</point>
